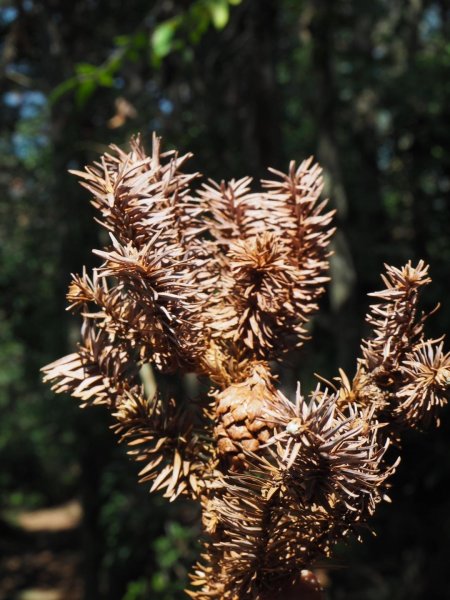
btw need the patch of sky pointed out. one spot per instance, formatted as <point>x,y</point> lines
<point>30,102</point>
<point>12,99</point>
<point>33,104</point>
<point>431,21</point>
<point>8,14</point>
<point>166,106</point>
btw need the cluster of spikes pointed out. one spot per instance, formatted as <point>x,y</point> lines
<point>221,282</point>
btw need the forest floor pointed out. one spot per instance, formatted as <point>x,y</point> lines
<point>39,554</point>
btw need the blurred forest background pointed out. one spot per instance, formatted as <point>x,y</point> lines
<point>244,84</point>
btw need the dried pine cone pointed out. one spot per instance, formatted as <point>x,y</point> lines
<point>241,413</point>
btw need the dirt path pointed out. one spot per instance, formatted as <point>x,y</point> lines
<point>39,554</point>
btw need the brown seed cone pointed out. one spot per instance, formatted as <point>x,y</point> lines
<point>242,417</point>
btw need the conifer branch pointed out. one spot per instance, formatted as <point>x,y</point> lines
<point>170,440</point>
<point>219,282</point>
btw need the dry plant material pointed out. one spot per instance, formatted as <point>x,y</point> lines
<point>221,282</point>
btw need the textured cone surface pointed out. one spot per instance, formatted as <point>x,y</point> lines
<point>242,417</point>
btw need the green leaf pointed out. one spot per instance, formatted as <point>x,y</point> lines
<point>115,61</point>
<point>140,40</point>
<point>85,69</point>
<point>220,13</point>
<point>84,92</point>
<point>122,40</point>
<point>162,38</point>
<point>63,88</point>
<point>105,78</point>
<point>197,21</point>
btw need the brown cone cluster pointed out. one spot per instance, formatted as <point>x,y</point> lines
<point>242,411</point>
<point>220,281</point>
